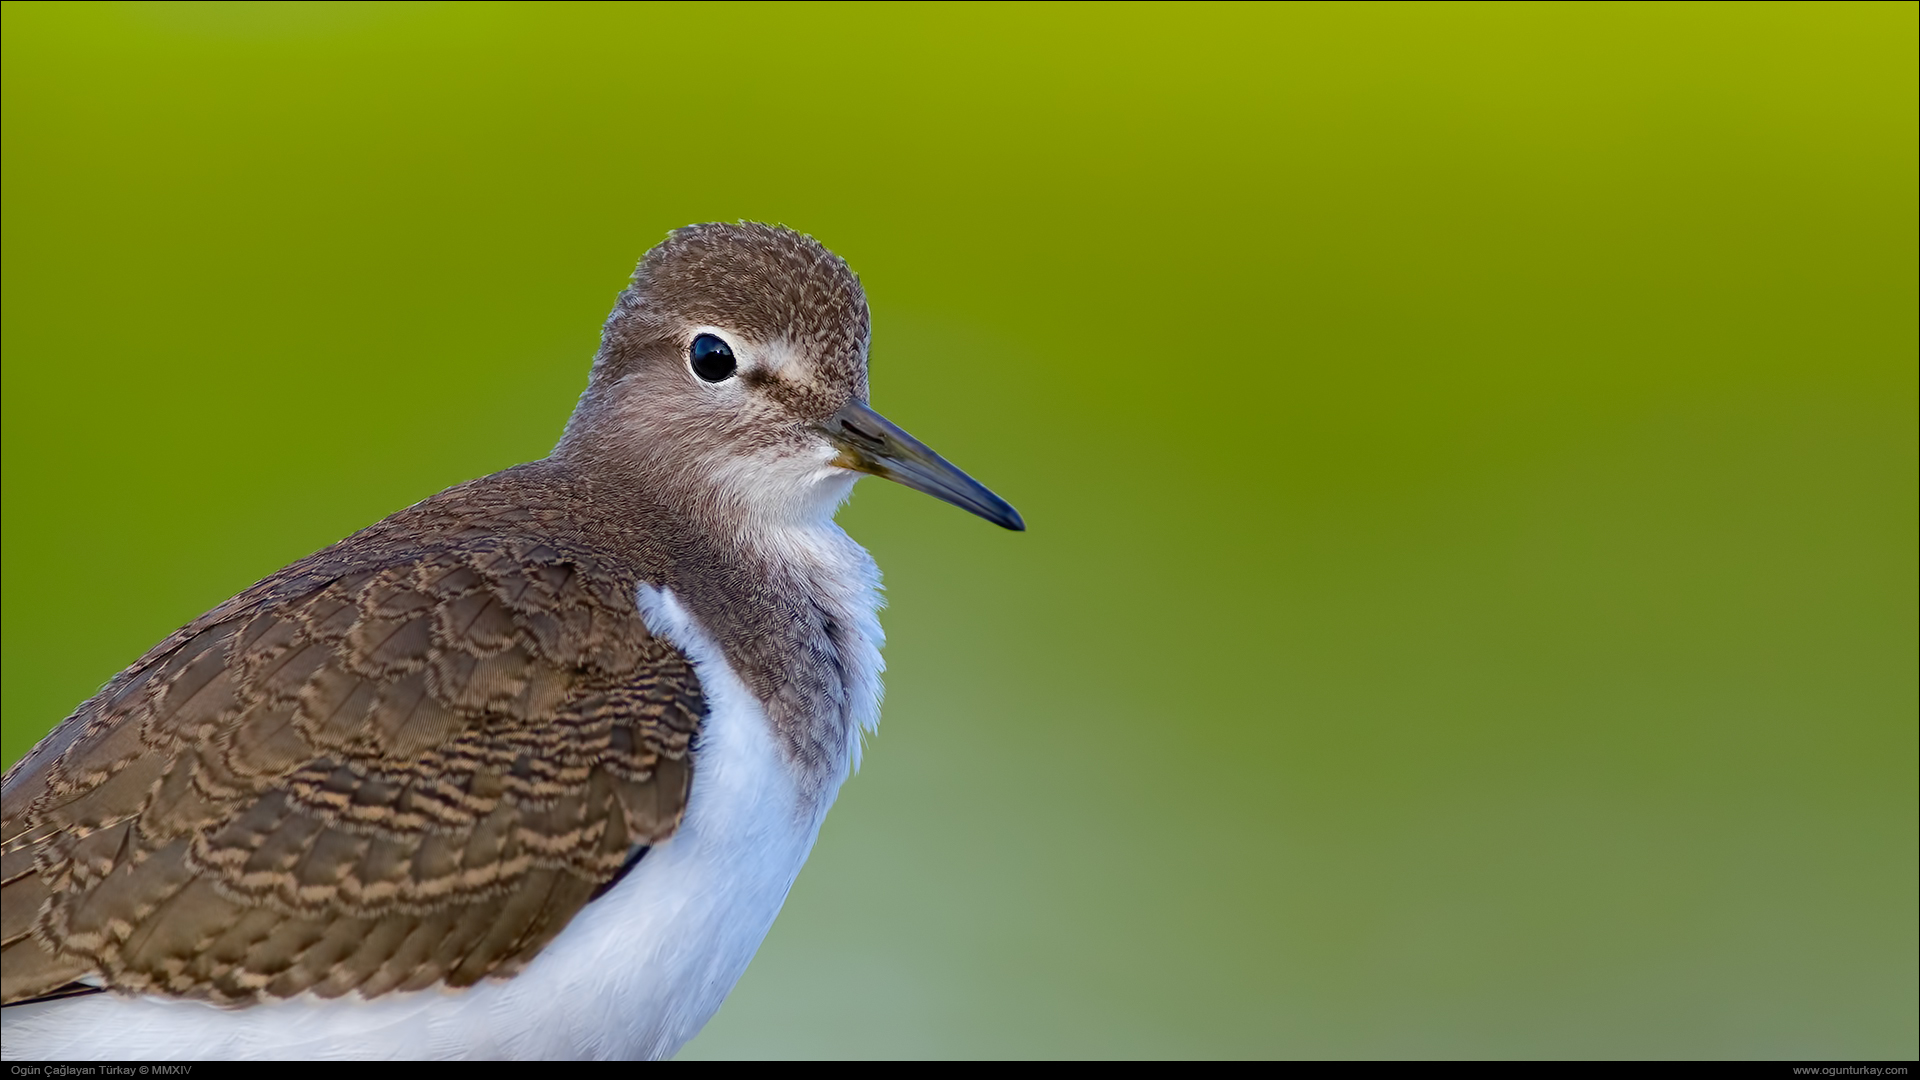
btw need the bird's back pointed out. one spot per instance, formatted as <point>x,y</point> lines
<point>635,974</point>
<point>403,764</point>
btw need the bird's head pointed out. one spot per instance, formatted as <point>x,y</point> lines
<point>733,372</point>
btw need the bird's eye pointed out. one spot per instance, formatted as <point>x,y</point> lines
<point>711,358</point>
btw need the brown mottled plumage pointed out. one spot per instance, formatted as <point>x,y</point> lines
<point>408,759</point>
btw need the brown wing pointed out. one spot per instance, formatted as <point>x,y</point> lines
<point>368,778</point>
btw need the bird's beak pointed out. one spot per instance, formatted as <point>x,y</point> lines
<point>870,443</point>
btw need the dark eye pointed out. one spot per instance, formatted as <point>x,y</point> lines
<point>712,360</point>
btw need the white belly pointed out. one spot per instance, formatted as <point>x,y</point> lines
<point>636,974</point>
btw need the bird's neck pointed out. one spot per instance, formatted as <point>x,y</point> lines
<point>792,603</point>
<point>798,610</point>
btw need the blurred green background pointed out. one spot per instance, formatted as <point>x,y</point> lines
<point>1469,606</point>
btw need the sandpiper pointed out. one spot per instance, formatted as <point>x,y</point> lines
<point>524,770</point>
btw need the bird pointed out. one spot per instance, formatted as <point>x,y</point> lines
<point>525,770</point>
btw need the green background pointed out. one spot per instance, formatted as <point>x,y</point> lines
<point>1469,606</point>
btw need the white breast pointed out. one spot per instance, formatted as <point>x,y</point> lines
<point>636,974</point>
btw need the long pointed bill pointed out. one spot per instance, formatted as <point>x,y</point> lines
<point>870,443</point>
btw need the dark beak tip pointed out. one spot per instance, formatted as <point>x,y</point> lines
<point>872,444</point>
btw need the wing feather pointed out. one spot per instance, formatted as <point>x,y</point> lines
<point>370,776</point>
